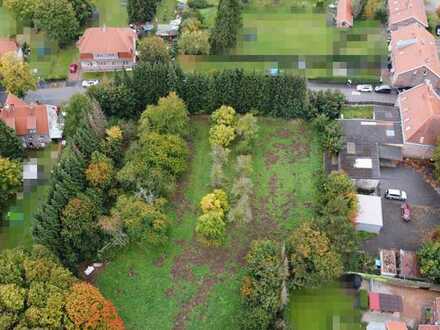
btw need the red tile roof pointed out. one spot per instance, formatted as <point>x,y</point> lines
<point>408,264</point>
<point>107,40</point>
<point>420,111</point>
<point>401,10</point>
<point>396,325</point>
<point>344,13</point>
<point>413,47</point>
<point>7,46</point>
<point>428,327</point>
<point>373,298</point>
<point>21,117</point>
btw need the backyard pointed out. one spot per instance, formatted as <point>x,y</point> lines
<point>47,60</point>
<point>187,285</point>
<point>299,41</point>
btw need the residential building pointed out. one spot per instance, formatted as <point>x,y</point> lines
<point>405,12</point>
<point>344,14</point>
<point>396,325</point>
<point>420,116</point>
<point>36,124</point>
<point>428,327</point>
<point>107,49</point>
<point>10,46</point>
<point>414,57</point>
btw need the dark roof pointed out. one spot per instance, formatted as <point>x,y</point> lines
<point>387,113</point>
<point>3,97</point>
<point>390,303</point>
<point>390,152</point>
<point>372,131</point>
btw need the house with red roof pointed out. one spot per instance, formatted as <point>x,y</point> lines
<point>107,49</point>
<point>414,57</point>
<point>36,124</point>
<point>406,12</point>
<point>428,327</point>
<point>420,118</point>
<point>344,14</point>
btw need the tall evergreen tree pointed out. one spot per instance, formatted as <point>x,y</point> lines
<point>227,23</point>
<point>10,145</point>
<point>141,10</point>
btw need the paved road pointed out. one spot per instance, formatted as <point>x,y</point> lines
<point>354,96</point>
<point>54,96</point>
<point>57,96</point>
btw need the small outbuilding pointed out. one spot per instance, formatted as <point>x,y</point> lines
<point>369,216</point>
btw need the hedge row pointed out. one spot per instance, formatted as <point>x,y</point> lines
<point>127,96</point>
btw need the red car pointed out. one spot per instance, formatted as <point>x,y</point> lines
<point>405,212</point>
<point>73,68</point>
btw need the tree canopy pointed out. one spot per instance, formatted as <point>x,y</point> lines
<point>16,76</point>
<point>10,145</point>
<point>140,11</point>
<point>154,49</point>
<point>37,292</point>
<point>11,175</point>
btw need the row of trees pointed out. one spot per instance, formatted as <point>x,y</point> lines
<point>283,96</point>
<point>100,200</point>
<point>36,292</point>
<point>61,19</point>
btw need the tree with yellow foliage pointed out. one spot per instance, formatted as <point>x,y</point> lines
<point>15,75</point>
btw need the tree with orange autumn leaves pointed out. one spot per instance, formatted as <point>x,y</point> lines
<point>88,309</point>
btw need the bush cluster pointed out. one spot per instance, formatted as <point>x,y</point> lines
<point>211,224</point>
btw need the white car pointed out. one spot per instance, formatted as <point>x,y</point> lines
<point>89,83</point>
<point>395,194</point>
<point>364,88</point>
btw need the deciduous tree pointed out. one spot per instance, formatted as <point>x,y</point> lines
<point>194,43</point>
<point>154,50</point>
<point>10,180</point>
<point>312,260</point>
<point>15,75</point>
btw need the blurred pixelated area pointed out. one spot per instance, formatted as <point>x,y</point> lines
<point>17,222</point>
<point>293,36</point>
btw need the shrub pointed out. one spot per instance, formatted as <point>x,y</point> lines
<point>225,115</point>
<point>194,42</point>
<point>429,260</point>
<point>211,228</point>
<point>217,201</point>
<point>247,130</point>
<point>328,103</point>
<point>11,176</point>
<point>191,24</point>
<point>363,299</point>
<point>221,135</point>
<point>169,116</point>
<point>330,133</point>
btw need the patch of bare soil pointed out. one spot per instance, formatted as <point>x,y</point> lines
<point>196,300</point>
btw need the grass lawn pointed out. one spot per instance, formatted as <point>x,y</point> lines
<point>319,309</point>
<point>299,42</point>
<point>111,13</point>
<point>7,24</point>
<point>357,112</point>
<point>185,284</point>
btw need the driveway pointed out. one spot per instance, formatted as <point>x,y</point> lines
<point>53,96</point>
<point>354,96</point>
<point>425,203</point>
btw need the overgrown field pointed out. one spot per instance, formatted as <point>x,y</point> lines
<point>188,285</point>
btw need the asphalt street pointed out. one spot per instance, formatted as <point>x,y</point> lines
<point>354,96</point>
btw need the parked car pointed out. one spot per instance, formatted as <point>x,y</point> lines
<point>364,88</point>
<point>89,83</point>
<point>383,89</point>
<point>73,68</point>
<point>405,212</point>
<point>395,194</point>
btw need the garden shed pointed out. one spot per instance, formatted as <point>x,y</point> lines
<point>369,216</point>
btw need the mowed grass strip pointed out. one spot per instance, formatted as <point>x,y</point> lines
<point>187,285</point>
